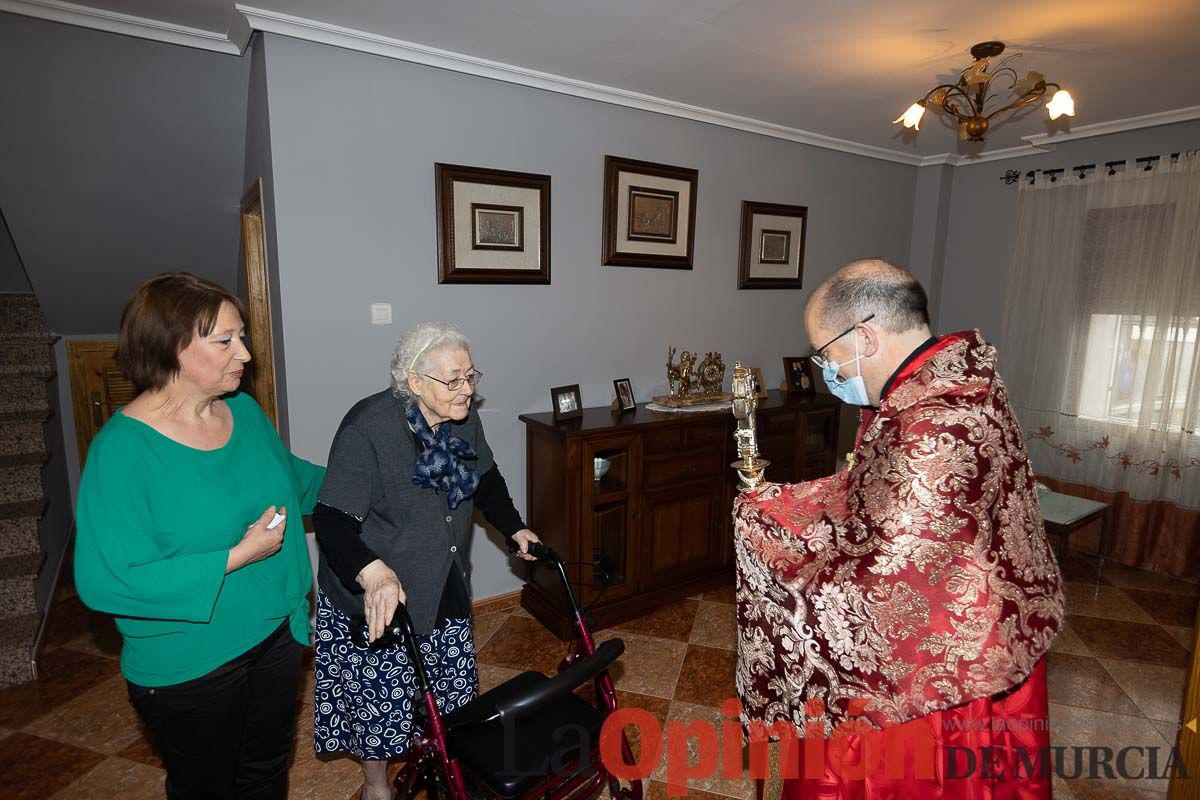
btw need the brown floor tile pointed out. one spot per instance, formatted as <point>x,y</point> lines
<point>1130,641</point>
<point>102,639</point>
<point>1185,636</point>
<point>649,665</point>
<point>1109,790</point>
<point>1078,566</point>
<point>1084,727</point>
<point>100,719</point>
<point>658,707</point>
<point>522,643</point>
<point>1169,730</point>
<point>142,749</point>
<point>485,625</point>
<point>1121,575</point>
<point>1082,681</point>
<point>726,594</point>
<point>707,676</point>
<point>1158,691</point>
<point>491,676</point>
<point>1166,608</point>
<point>715,626</point>
<point>116,777</point>
<point>63,676</point>
<point>35,768</point>
<point>313,777</point>
<point>657,790</point>
<point>1107,602</point>
<point>684,714</point>
<point>308,678</point>
<point>671,621</point>
<point>70,619</point>
<point>1068,641</point>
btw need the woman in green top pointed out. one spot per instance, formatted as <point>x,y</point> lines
<point>175,538</point>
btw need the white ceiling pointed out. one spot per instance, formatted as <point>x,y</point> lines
<point>838,69</point>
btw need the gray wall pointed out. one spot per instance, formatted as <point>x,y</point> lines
<point>983,219</point>
<point>119,158</point>
<point>354,139</point>
<point>931,217</point>
<point>12,274</point>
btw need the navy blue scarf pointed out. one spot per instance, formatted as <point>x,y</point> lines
<point>439,465</point>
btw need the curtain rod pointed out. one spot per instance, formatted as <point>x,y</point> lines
<point>1148,163</point>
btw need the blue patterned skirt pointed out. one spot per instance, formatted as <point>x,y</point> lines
<point>363,700</point>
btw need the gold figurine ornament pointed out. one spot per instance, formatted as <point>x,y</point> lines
<point>745,402</point>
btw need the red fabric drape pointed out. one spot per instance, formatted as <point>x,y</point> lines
<point>992,729</point>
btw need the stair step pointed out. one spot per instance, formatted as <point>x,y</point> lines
<point>20,315</point>
<point>20,484</point>
<point>18,596</point>
<point>19,537</point>
<point>25,355</point>
<point>16,648</point>
<point>24,566</point>
<point>23,394</point>
<point>28,508</point>
<point>22,443</point>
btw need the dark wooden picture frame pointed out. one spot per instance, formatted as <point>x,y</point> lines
<point>751,248</point>
<point>571,409</point>
<point>797,370</point>
<point>622,406</point>
<point>626,252</point>
<point>450,266</point>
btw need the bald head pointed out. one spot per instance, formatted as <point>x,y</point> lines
<point>870,286</point>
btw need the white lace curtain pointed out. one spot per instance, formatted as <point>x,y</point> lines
<point>1099,347</point>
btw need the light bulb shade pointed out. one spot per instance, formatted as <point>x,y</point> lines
<point>912,117</point>
<point>1061,103</point>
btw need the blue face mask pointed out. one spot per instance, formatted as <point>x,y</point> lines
<point>849,390</point>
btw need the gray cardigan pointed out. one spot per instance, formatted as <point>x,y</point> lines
<point>370,471</point>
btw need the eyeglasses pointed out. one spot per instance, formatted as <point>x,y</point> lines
<point>454,384</point>
<point>817,355</point>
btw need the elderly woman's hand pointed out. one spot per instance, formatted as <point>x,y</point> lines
<point>523,537</point>
<point>383,594</point>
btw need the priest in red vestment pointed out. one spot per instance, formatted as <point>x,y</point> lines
<point>898,612</point>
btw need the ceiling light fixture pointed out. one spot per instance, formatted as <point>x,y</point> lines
<point>967,98</point>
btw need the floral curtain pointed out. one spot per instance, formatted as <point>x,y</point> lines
<point>1099,346</point>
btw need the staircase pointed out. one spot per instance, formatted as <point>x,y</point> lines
<point>25,368</point>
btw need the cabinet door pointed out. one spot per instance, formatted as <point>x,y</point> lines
<point>817,444</point>
<point>681,532</point>
<point>609,527</point>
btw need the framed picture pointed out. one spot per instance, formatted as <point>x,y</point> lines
<point>798,372</point>
<point>649,214</point>
<point>625,401</point>
<point>565,402</point>
<point>493,226</point>
<point>771,255</point>
<point>760,386</point>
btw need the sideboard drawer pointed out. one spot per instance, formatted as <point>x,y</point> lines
<point>704,437</point>
<point>667,471</point>
<point>664,440</point>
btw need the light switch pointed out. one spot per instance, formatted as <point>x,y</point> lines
<point>381,313</point>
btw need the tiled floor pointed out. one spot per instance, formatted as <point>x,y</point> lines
<point>1116,677</point>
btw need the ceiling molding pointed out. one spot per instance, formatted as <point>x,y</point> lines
<point>128,25</point>
<point>1042,140</point>
<point>363,41</point>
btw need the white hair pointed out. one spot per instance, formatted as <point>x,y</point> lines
<point>415,347</point>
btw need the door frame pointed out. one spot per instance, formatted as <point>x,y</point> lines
<point>256,273</point>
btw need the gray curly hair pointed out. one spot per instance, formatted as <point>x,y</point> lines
<point>415,347</point>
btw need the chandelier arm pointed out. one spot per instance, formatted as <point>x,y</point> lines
<point>1031,96</point>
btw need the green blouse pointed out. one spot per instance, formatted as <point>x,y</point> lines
<point>155,520</point>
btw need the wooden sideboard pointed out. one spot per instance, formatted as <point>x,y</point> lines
<point>659,523</point>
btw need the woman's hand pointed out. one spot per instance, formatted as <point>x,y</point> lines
<point>259,542</point>
<point>383,594</point>
<point>523,537</point>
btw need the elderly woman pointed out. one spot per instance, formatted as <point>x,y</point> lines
<point>407,469</point>
<point>175,538</point>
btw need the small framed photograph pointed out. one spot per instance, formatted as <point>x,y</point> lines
<point>493,226</point>
<point>760,386</point>
<point>649,214</point>
<point>625,401</point>
<point>565,402</point>
<point>771,255</point>
<point>798,372</point>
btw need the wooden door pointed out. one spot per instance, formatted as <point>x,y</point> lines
<point>609,527</point>
<point>1189,736</point>
<point>98,388</point>
<point>682,532</point>
<point>255,290</point>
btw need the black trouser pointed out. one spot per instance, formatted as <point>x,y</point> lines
<point>228,734</point>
